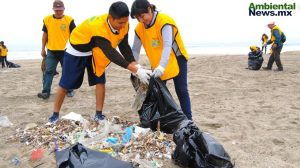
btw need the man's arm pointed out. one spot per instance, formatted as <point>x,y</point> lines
<point>72,26</point>
<point>44,40</point>
<point>126,50</point>
<point>112,54</point>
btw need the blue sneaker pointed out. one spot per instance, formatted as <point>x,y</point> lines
<point>53,119</point>
<point>70,93</point>
<point>99,117</point>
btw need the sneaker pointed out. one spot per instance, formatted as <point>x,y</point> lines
<point>43,95</point>
<point>278,69</point>
<point>266,68</point>
<point>70,93</point>
<point>53,119</point>
<point>99,117</point>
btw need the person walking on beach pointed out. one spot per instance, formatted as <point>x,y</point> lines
<point>264,39</point>
<point>3,54</point>
<point>160,37</point>
<point>92,46</point>
<point>277,40</point>
<point>56,31</point>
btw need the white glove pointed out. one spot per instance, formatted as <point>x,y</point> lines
<point>143,75</point>
<point>138,66</point>
<point>158,72</point>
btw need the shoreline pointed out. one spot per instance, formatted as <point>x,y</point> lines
<point>190,55</point>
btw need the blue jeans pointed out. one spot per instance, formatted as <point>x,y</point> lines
<point>181,87</point>
<point>4,60</point>
<point>52,60</point>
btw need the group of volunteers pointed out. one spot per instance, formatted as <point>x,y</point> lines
<point>255,58</point>
<point>92,46</point>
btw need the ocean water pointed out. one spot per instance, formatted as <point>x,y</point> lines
<point>192,48</point>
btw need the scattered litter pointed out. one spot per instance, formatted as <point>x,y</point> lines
<point>127,136</point>
<point>122,140</point>
<point>30,126</point>
<point>112,140</point>
<point>37,154</point>
<point>4,122</point>
<point>73,116</point>
<point>16,161</point>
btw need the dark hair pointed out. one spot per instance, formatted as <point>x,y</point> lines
<point>118,10</point>
<point>139,7</point>
<point>2,43</point>
<point>264,35</point>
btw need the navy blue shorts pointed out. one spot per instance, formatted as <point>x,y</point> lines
<point>73,72</point>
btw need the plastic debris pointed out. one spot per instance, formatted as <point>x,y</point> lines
<point>121,139</point>
<point>4,122</point>
<point>74,116</point>
<point>112,140</point>
<point>127,136</point>
<point>30,126</point>
<point>37,154</point>
<point>16,161</point>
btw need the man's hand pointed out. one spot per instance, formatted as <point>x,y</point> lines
<point>158,72</point>
<point>143,75</point>
<point>43,53</point>
<point>274,45</point>
<point>43,64</point>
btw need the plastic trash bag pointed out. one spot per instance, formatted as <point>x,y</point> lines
<point>78,156</point>
<point>197,149</point>
<point>141,92</point>
<point>255,60</point>
<point>5,122</point>
<point>159,105</point>
<point>12,65</point>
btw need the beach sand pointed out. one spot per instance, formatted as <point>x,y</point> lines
<point>254,114</point>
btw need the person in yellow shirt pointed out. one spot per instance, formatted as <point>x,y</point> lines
<point>3,54</point>
<point>92,46</point>
<point>264,39</point>
<point>161,39</point>
<point>56,32</point>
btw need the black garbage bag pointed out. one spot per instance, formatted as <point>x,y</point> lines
<point>197,149</point>
<point>78,156</point>
<point>12,65</point>
<point>193,147</point>
<point>255,60</point>
<point>159,105</point>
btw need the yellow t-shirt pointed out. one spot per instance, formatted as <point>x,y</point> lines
<point>3,51</point>
<point>96,27</point>
<point>58,31</point>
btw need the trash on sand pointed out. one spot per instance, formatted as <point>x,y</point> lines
<point>121,139</point>
<point>73,116</point>
<point>4,122</point>
<point>16,161</point>
<point>37,154</point>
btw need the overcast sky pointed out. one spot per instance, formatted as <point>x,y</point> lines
<point>199,21</point>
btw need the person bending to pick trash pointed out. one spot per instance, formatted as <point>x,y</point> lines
<point>92,46</point>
